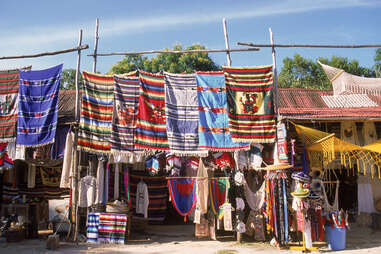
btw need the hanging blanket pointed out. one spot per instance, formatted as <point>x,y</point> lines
<point>126,97</point>
<point>5,161</point>
<point>250,103</point>
<point>96,113</point>
<point>9,89</point>
<point>218,195</point>
<point>183,194</point>
<point>151,132</point>
<point>181,109</point>
<point>38,106</point>
<point>213,128</point>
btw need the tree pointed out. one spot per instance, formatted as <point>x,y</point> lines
<point>68,79</point>
<point>170,62</point>
<point>305,73</point>
<point>377,61</point>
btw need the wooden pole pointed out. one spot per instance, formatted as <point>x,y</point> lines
<point>275,76</point>
<point>175,51</point>
<point>229,61</point>
<point>51,53</point>
<point>96,46</point>
<point>305,45</point>
<point>76,153</point>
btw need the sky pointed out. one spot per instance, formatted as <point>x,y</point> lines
<point>29,27</point>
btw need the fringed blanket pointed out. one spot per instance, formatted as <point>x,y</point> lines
<point>96,113</point>
<point>38,106</point>
<point>218,195</point>
<point>151,132</point>
<point>126,97</point>
<point>9,90</point>
<point>181,109</point>
<point>250,103</point>
<point>183,194</point>
<point>213,128</point>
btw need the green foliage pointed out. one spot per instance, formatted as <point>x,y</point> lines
<point>377,61</point>
<point>169,62</point>
<point>68,79</point>
<point>300,72</point>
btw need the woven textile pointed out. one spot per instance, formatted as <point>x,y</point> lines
<point>214,131</point>
<point>38,106</point>
<point>9,88</point>
<point>151,132</point>
<point>218,195</point>
<point>250,103</point>
<point>5,161</point>
<point>92,227</point>
<point>181,109</point>
<point>126,97</point>
<point>183,194</point>
<point>112,228</point>
<point>96,113</point>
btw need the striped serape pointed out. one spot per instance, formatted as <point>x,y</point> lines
<point>92,227</point>
<point>38,106</point>
<point>96,113</point>
<point>112,228</point>
<point>250,103</point>
<point>214,128</point>
<point>157,193</point>
<point>9,90</point>
<point>181,109</point>
<point>126,97</point>
<point>151,132</point>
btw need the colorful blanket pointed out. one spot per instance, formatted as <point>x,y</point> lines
<point>112,228</point>
<point>181,109</point>
<point>218,195</point>
<point>96,113</point>
<point>126,97</point>
<point>151,132</point>
<point>9,90</point>
<point>250,103</point>
<point>183,194</point>
<point>214,131</point>
<point>5,161</point>
<point>92,227</point>
<point>38,106</point>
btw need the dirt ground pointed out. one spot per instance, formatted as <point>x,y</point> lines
<point>180,239</point>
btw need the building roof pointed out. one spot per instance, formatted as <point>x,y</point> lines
<point>300,103</point>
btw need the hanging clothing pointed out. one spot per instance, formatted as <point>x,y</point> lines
<point>142,199</point>
<point>58,147</point>
<point>365,195</point>
<point>67,167</point>
<point>100,196</point>
<point>116,181</point>
<point>87,189</point>
<point>16,152</point>
<point>202,188</point>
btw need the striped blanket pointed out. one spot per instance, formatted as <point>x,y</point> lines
<point>92,227</point>
<point>151,132</point>
<point>181,106</point>
<point>96,113</point>
<point>126,97</point>
<point>214,129</point>
<point>250,103</point>
<point>9,90</point>
<point>157,193</point>
<point>38,106</point>
<point>112,228</point>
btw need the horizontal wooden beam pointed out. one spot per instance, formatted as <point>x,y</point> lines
<point>174,51</point>
<point>305,45</point>
<point>51,53</point>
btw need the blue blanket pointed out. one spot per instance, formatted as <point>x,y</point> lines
<point>38,106</point>
<point>214,131</point>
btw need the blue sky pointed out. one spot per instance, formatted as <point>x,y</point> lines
<point>29,27</point>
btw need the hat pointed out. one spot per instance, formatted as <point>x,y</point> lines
<point>314,195</point>
<point>300,176</point>
<point>300,192</point>
<point>278,166</point>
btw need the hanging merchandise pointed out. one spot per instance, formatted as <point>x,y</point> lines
<point>67,167</point>
<point>173,164</point>
<point>327,207</point>
<point>202,188</point>
<point>96,113</point>
<point>282,143</point>
<point>250,103</point>
<point>151,132</point>
<point>152,165</point>
<point>100,183</point>
<point>87,191</point>
<point>116,181</point>
<point>214,131</point>
<point>124,118</point>
<point>183,195</point>
<point>38,106</point>
<point>251,159</point>
<point>5,161</point>
<point>9,80</point>
<point>58,148</point>
<point>255,200</point>
<point>181,109</point>
<point>348,132</point>
<point>218,195</point>
<point>224,160</point>
<point>142,199</point>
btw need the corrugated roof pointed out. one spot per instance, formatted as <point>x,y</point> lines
<point>348,101</point>
<point>300,103</point>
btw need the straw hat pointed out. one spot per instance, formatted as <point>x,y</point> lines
<point>300,192</point>
<point>277,166</point>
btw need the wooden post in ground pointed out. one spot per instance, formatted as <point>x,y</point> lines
<point>229,61</point>
<point>96,46</point>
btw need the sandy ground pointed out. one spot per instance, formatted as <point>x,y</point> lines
<point>180,239</point>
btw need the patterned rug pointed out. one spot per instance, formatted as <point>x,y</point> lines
<point>250,103</point>
<point>96,113</point>
<point>9,90</point>
<point>214,131</point>
<point>183,195</point>
<point>181,109</point>
<point>151,132</point>
<point>38,106</point>
<point>126,97</point>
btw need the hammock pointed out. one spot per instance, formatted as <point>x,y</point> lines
<point>218,195</point>
<point>183,195</point>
